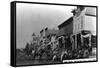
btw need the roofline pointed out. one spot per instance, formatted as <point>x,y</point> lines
<point>90,15</point>
<point>65,21</point>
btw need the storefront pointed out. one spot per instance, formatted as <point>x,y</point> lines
<point>81,40</point>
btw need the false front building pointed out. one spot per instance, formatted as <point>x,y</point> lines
<point>84,23</point>
<point>79,27</point>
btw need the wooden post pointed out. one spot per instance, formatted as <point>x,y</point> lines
<point>89,39</point>
<point>72,41</point>
<point>76,41</point>
<point>81,40</point>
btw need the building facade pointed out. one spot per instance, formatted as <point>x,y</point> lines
<point>83,19</point>
<point>80,27</point>
<point>65,30</point>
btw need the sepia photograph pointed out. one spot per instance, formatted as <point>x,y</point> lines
<point>55,34</point>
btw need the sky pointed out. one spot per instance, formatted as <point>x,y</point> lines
<point>34,17</point>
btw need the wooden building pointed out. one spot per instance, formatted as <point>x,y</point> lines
<point>83,19</point>
<point>66,28</point>
<point>79,27</point>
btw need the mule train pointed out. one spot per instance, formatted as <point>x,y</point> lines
<point>62,48</point>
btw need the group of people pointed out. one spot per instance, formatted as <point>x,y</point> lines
<point>59,49</point>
